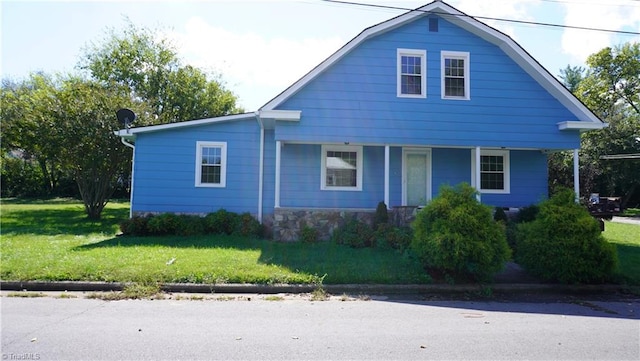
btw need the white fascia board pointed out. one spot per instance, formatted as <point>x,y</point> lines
<point>581,125</point>
<point>287,115</point>
<point>130,133</point>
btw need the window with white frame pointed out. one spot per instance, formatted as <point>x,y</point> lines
<point>211,164</point>
<point>341,167</point>
<point>412,73</point>
<point>494,171</point>
<point>455,75</point>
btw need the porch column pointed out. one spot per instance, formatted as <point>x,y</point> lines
<point>386,176</point>
<point>477,173</point>
<point>277,190</point>
<point>576,174</point>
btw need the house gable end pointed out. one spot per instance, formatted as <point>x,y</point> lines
<point>578,110</point>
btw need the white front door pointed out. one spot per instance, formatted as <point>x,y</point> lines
<point>416,176</point>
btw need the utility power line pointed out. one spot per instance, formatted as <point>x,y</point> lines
<point>485,17</point>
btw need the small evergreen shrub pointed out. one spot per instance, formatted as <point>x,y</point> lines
<point>309,234</point>
<point>190,225</point>
<point>564,244</point>
<point>246,225</point>
<point>500,216</point>
<point>394,237</point>
<point>527,214</point>
<point>381,216</point>
<point>135,226</point>
<point>456,235</point>
<point>163,224</point>
<point>220,222</point>
<point>354,233</point>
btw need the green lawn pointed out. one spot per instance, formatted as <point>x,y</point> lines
<point>53,240</point>
<point>627,239</point>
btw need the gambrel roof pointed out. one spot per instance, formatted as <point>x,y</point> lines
<point>585,118</point>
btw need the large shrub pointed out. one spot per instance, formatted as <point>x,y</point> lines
<point>564,243</point>
<point>457,235</point>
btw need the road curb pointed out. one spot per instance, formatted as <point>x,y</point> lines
<point>362,289</point>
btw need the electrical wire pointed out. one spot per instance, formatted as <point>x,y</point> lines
<point>624,32</point>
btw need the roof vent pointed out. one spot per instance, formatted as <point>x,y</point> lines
<point>433,25</point>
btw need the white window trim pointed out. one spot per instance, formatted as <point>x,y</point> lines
<point>507,170</point>
<point>223,166</point>
<point>423,69</point>
<point>323,169</point>
<point>467,79</point>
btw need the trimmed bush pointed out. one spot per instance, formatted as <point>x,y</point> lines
<point>163,224</point>
<point>394,237</point>
<point>189,225</point>
<point>354,233</point>
<point>246,225</point>
<point>135,226</point>
<point>309,235</point>
<point>564,244</point>
<point>456,235</point>
<point>220,222</point>
<point>527,214</point>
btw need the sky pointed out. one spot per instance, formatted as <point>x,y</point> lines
<point>259,48</point>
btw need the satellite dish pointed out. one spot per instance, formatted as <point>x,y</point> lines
<point>125,116</point>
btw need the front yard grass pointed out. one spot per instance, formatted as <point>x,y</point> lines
<point>54,241</point>
<point>626,237</point>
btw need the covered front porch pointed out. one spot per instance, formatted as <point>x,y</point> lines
<point>319,185</point>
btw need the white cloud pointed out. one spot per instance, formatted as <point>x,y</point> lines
<point>249,57</point>
<point>614,15</point>
<point>499,9</point>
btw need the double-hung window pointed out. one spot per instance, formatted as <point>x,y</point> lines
<point>341,168</point>
<point>455,75</point>
<point>211,164</point>
<point>412,73</point>
<point>494,171</point>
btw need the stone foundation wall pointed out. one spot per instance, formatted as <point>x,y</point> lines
<point>289,222</point>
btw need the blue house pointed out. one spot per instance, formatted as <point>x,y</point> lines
<point>427,98</point>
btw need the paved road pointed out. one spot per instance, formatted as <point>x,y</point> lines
<point>85,329</point>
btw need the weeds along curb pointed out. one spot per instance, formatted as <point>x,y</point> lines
<point>377,289</point>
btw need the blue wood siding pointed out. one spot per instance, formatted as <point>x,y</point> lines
<point>449,167</point>
<point>529,174</point>
<point>300,179</point>
<point>355,100</point>
<point>165,169</point>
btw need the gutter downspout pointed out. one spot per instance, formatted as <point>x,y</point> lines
<point>133,163</point>
<point>261,167</point>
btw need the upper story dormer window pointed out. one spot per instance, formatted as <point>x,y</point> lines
<point>455,75</point>
<point>412,73</point>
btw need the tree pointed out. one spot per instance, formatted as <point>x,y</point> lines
<point>28,126</point>
<point>610,87</point>
<point>150,68</point>
<point>571,76</point>
<point>93,154</point>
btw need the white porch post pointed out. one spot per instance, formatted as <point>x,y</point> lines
<point>277,191</point>
<point>386,175</point>
<point>576,174</point>
<point>477,173</point>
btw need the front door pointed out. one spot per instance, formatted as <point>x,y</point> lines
<point>416,182</point>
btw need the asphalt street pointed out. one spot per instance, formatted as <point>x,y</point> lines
<point>256,327</point>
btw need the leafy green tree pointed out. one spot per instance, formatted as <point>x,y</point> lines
<point>93,154</point>
<point>610,86</point>
<point>571,76</point>
<point>28,127</point>
<point>150,68</point>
